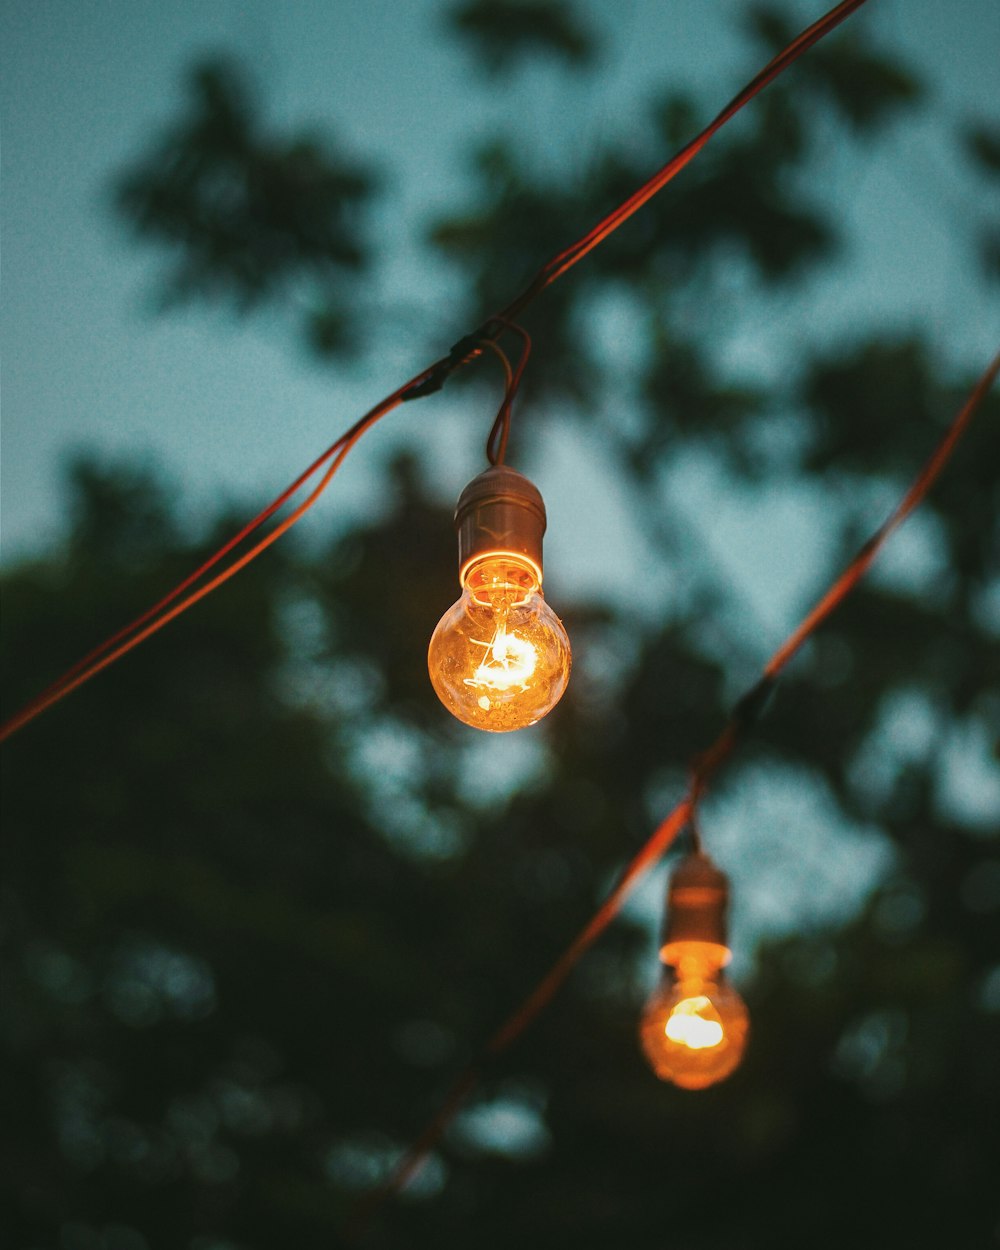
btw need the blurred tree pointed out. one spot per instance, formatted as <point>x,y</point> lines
<point>984,145</point>
<point>262,898</point>
<point>247,217</point>
<point>504,33</point>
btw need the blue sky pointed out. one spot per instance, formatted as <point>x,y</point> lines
<point>235,409</point>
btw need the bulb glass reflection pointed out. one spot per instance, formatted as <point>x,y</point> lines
<point>694,1027</point>
<point>499,658</point>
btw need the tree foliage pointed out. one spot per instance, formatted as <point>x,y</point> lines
<point>262,898</point>
<point>247,217</point>
<point>503,34</point>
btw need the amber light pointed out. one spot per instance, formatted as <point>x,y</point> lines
<point>499,658</point>
<point>694,1027</point>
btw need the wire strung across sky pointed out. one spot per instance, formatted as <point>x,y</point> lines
<point>424,383</point>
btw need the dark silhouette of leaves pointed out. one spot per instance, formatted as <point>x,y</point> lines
<point>983,145</point>
<point>866,87</point>
<point>504,33</point>
<point>246,217</point>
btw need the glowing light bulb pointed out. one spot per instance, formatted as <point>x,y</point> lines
<point>695,1025</point>
<point>499,658</point>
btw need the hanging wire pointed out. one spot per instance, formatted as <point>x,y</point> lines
<point>501,424</point>
<point>425,383</point>
<point>743,717</point>
<point>694,825</point>
<point>496,443</point>
<point>160,614</point>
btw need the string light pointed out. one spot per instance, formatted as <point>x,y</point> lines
<point>514,670</point>
<point>499,658</point>
<point>693,1028</point>
<point>694,1025</point>
<point>743,717</point>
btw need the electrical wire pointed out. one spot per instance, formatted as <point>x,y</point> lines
<point>746,712</point>
<point>424,383</point>
<point>123,640</point>
<point>501,423</point>
<point>694,827</point>
<point>573,254</point>
<point>496,442</point>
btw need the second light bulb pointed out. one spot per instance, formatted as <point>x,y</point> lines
<point>694,1026</point>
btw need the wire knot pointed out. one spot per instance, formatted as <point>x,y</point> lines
<point>465,350</point>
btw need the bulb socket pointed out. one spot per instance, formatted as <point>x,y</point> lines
<point>697,902</point>
<point>500,513</point>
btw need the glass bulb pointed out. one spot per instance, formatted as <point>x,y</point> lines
<point>694,1027</point>
<point>499,658</point>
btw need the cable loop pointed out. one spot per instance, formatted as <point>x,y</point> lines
<point>496,443</point>
<point>500,430</point>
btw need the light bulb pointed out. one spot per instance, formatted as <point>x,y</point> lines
<point>694,1026</point>
<point>499,658</point>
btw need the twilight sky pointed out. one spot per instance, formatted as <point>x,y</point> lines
<point>235,408</point>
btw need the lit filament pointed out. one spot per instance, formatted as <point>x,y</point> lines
<point>508,664</point>
<point>688,1027</point>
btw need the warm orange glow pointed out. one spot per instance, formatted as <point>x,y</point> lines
<point>509,664</point>
<point>500,658</point>
<point>695,1023</point>
<point>694,1027</point>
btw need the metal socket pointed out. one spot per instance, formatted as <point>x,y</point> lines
<point>697,902</point>
<point>500,513</point>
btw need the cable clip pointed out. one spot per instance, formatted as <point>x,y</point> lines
<point>465,350</point>
<point>471,346</point>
